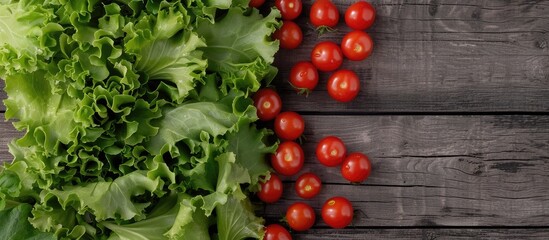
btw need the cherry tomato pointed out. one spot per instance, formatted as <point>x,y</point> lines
<point>288,158</point>
<point>308,185</point>
<point>356,167</point>
<point>256,3</point>
<point>324,13</point>
<point>289,9</point>
<point>271,190</point>
<point>289,125</point>
<point>289,35</point>
<point>300,216</point>
<point>357,45</point>
<point>327,56</point>
<point>360,15</point>
<point>268,104</point>
<point>330,151</point>
<point>343,85</point>
<point>337,212</point>
<point>276,232</point>
<point>304,76</point>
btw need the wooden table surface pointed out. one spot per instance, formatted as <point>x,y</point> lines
<point>454,114</point>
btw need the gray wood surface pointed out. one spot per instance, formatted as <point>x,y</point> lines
<point>425,233</point>
<point>7,134</point>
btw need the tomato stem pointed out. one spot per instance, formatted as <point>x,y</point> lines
<point>324,29</point>
<point>300,91</point>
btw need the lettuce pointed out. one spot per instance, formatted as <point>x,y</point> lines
<point>28,36</point>
<point>244,60</point>
<point>165,49</point>
<point>16,226</point>
<point>237,221</point>
<point>137,118</point>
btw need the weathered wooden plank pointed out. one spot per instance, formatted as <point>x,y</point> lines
<point>425,233</point>
<point>7,133</point>
<point>429,56</point>
<point>2,95</point>
<point>432,170</point>
<point>438,170</point>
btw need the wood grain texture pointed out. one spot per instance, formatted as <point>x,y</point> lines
<point>2,95</point>
<point>431,170</point>
<point>437,170</point>
<point>425,234</point>
<point>429,56</point>
<point>7,133</point>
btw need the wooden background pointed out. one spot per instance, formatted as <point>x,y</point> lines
<point>454,114</point>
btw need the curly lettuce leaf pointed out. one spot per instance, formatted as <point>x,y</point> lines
<point>26,29</point>
<point>16,182</point>
<point>166,50</point>
<point>106,200</point>
<point>236,220</point>
<point>235,48</point>
<point>230,176</point>
<point>14,225</point>
<point>189,122</point>
<point>207,9</point>
<point>161,219</point>
<point>248,144</point>
<point>46,116</point>
<point>65,223</point>
<point>174,217</point>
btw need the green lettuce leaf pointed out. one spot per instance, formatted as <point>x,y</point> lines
<point>248,144</point>
<point>189,122</point>
<point>46,116</point>
<point>229,180</point>
<point>27,30</point>
<point>236,220</point>
<point>174,217</point>
<point>106,200</point>
<point>191,222</point>
<point>15,226</point>
<point>234,49</point>
<point>165,50</point>
<point>65,223</point>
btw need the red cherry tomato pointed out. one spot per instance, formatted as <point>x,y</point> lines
<point>331,151</point>
<point>356,167</point>
<point>300,216</point>
<point>256,3</point>
<point>327,56</point>
<point>308,185</point>
<point>304,76</point>
<point>289,35</point>
<point>289,125</point>
<point>288,158</point>
<point>343,85</point>
<point>357,45</point>
<point>271,190</point>
<point>268,104</point>
<point>289,9</point>
<point>324,13</point>
<point>337,212</point>
<point>276,232</point>
<point>360,15</point>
